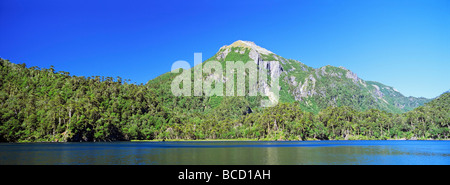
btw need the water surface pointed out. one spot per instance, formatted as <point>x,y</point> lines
<point>229,152</point>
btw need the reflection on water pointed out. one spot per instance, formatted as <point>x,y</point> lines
<point>222,153</point>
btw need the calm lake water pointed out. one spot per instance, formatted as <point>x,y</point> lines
<point>229,152</point>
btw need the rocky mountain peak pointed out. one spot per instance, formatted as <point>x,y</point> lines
<point>247,44</point>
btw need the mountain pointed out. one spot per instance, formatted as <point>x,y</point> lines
<point>398,100</point>
<point>39,104</point>
<point>432,119</point>
<point>314,89</point>
<point>440,103</point>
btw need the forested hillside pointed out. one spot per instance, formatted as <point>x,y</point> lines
<point>46,105</point>
<point>38,104</point>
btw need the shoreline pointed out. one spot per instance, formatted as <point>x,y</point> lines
<point>205,140</point>
<point>245,139</point>
<point>238,139</point>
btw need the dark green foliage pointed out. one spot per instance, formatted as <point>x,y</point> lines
<point>44,105</point>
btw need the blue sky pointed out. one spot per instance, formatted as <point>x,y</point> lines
<point>401,43</point>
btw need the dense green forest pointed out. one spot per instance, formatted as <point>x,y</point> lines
<point>38,104</point>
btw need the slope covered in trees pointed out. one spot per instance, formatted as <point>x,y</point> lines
<point>45,105</point>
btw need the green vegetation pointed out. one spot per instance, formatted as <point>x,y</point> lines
<point>396,99</point>
<point>268,57</point>
<point>237,56</point>
<point>330,86</point>
<point>45,105</point>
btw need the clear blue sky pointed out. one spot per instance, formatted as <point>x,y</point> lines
<point>401,43</point>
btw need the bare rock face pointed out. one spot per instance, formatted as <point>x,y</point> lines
<point>247,44</point>
<point>292,81</point>
<point>224,53</point>
<point>322,69</point>
<point>304,68</point>
<point>377,92</point>
<point>273,67</point>
<point>255,54</point>
<point>251,45</point>
<point>352,75</point>
<point>306,89</point>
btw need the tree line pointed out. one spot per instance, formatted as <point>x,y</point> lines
<point>38,104</point>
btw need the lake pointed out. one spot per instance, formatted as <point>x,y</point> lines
<point>229,152</point>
